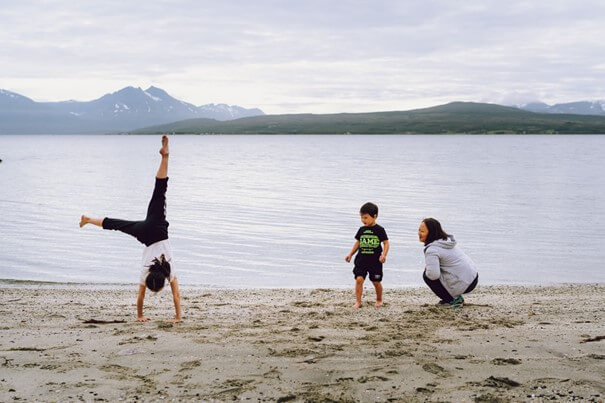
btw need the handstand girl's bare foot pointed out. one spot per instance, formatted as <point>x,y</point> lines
<point>83,221</point>
<point>357,305</point>
<point>378,304</point>
<point>164,151</point>
<point>87,220</point>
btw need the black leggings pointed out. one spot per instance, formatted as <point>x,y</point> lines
<point>441,292</point>
<point>155,227</point>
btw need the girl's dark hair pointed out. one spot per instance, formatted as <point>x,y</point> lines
<point>159,271</point>
<point>369,208</point>
<point>435,231</point>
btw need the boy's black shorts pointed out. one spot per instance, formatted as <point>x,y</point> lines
<point>375,272</point>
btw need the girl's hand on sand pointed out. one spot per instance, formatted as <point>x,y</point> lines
<point>348,258</point>
<point>143,319</point>
<point>382,258</point>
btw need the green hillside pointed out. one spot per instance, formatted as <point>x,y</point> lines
<point>456,117</point>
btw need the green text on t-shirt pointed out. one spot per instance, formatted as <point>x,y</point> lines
<point>368,242</point>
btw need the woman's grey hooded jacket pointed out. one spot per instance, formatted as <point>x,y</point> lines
<point>446,262</point>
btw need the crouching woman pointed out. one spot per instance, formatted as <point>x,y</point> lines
<point>449,272</point>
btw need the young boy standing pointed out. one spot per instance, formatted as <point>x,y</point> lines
<point>371,255</point>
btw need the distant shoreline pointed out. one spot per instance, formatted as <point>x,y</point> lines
<point>304,134</point>
<point>452,118</point>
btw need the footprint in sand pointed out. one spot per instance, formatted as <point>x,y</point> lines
<point>188,365</point>
<point>427,391</point>
<point>234,386</point>
<point>292,352</point>
<point>588,339</point>
<point>137,339</point>
<point>506,361</point>
<point>435,369</point>
<point>497,382</point>
<point>304,304</point>
<point>395,353</point>
<point>118,372</point>
<point>365,379</point>
<point>274,373</point>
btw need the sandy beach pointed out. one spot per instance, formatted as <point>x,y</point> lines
<point>508,343</point>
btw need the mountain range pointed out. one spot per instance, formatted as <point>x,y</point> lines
<point>124,110</point>
<point>455,117</point>
<point>154,110</point>
<point>576,108</point>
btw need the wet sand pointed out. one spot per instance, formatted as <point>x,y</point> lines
<point>508,343</point>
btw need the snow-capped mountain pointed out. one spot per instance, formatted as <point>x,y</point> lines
<point>12,100</point>
<point>127,109</point>
<point>227,112</point>
<point>576,108</point>
<point>131,105</point>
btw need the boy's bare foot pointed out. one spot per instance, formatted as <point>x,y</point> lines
<point>357,305</point>
<point>83,221</point>
<point>172,321</point>
<point>164,151</point>
<point>378,304</point>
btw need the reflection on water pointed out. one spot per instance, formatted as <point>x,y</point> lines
<point>281,211</point>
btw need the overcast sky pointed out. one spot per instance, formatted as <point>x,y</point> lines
<point>307,56</point>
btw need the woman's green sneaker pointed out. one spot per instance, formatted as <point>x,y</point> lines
<point>457,302</point>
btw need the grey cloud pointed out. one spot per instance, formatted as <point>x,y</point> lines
<point>338,51</point>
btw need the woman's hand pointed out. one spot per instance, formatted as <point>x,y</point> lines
<point>348,258</point>
<point>382,258</point>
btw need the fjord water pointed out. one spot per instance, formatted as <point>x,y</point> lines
<point>281,211</point>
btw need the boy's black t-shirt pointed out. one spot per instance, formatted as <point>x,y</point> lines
<point>370,245</point>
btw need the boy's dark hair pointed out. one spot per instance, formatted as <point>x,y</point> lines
<point>369,208</point>
<point>435,231</point>
<point>159,271</point>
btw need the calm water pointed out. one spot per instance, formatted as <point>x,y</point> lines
<point>281,211</point>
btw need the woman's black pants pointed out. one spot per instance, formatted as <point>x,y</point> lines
<point>441,292</point>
